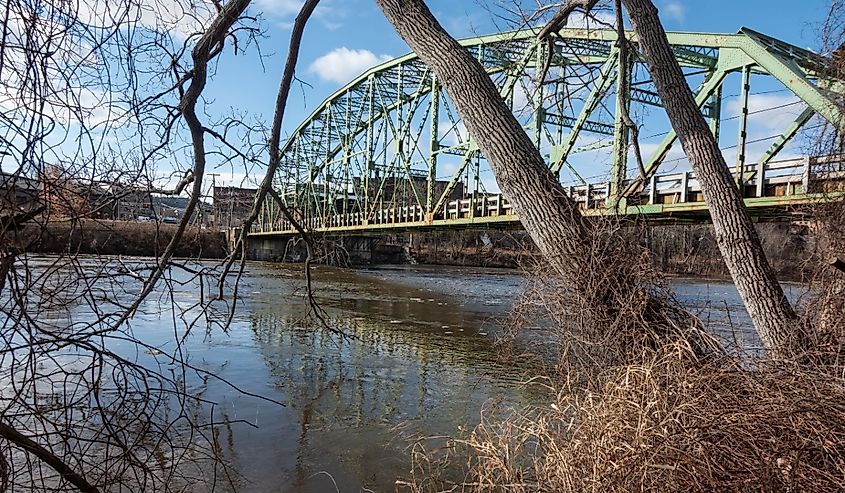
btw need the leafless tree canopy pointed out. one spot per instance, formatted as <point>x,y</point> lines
<point>101,99</point>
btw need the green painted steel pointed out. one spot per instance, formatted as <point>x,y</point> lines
<point>377,146</point>
<point>742,137</point>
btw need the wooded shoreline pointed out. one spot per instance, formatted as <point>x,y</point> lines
<point>682,250</point>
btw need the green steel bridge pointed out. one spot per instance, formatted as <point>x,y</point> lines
<point>388,150</point>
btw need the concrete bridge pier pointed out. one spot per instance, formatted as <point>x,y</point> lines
<point>358,248</point>
<point>376,250</point>
<point>273,249</point>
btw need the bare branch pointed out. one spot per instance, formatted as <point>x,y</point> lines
<point>623,86</point>
<point>266,186</point>
<point>558,21</point>
<point>561,17</point>
<point>24,442</point>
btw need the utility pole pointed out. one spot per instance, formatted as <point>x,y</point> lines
<point>213,188</point>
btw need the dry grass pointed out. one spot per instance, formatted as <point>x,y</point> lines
<point>662,425</point>
<point>824,309</point>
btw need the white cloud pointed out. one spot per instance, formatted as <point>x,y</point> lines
<point>768,112</point>
<point>674,11</point>
<point>342,64</point>
<point>327,12</point>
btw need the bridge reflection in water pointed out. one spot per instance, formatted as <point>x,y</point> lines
<point>418,364</point>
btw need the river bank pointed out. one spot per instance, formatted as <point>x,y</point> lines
<point>677,250</point>
<point>102,237</point>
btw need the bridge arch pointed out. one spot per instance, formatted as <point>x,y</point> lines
<point>389,147</point>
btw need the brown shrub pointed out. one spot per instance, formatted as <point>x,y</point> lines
<point>104,237</point>
<point>662,425</point>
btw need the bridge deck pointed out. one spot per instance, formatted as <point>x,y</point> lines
<point>781,191</point>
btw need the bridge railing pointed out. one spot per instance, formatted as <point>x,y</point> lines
<point>783,178</point>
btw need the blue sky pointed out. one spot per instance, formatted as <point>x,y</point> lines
<point>357,33</point>
<point>347,36</point>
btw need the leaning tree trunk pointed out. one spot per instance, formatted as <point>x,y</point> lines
<point>548,215</point>
<point>738,241</point>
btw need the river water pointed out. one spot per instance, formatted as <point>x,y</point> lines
<point>422,363</point>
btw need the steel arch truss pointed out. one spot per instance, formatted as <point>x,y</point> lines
<point>390,142</point>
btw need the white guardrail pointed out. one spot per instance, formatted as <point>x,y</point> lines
<point>778,178</point>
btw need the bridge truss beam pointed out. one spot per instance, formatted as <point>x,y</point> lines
<point>382,141</point>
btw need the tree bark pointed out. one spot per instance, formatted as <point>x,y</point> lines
<point>548,215</point>
<point>738,241</point>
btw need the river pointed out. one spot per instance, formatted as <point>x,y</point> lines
<point>422,363</point>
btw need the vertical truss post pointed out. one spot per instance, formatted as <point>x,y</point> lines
<point>760,186</point>
<point>716,113</point>
<point>742,137</point>
<point>310,201</point>
<point>400,124</point>
<point>346,156</point>
<point>328,174</point>
<point>619,170</point>
<point>473,199</point>
<point>262,215</point>
<point>368,151</point>
<point>347,153</point>
<point>537,98</point>
<point>382,172</point>
<point>271,216</point>
<point>805,174</point>
<point>434,146</point>
<point>652,190</point>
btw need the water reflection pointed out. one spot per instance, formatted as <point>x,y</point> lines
<point>347,396</point>
<point>421,360</point>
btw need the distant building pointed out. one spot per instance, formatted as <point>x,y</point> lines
<point>232,205</point>
<point>18,194</point>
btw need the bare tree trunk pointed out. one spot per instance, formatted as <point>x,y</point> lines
<point>738,241</point>
<point>610,296</point>
<point>548,215</point>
